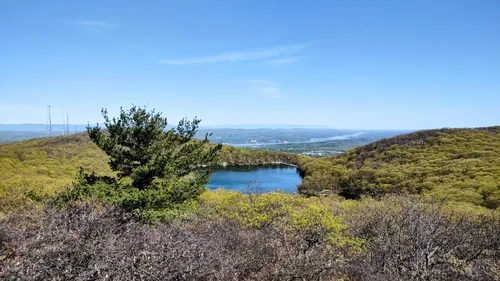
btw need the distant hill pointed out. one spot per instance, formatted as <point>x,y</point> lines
<point>453,164</point>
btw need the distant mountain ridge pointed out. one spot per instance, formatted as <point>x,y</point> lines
<point>42,127</point>
<point>28,127</point>
<point>265,126</point>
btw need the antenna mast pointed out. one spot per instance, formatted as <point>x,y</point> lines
<point>49,121</point>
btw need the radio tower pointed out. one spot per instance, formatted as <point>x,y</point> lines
<point>49,121</point>
<point>67,122</point>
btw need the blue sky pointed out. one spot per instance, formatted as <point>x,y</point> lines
<point>346,64</point>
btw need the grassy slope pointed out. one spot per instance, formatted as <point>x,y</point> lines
<point>46,165</point>
<point>455,164</point>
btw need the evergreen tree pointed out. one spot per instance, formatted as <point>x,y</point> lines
<point>140,147</point>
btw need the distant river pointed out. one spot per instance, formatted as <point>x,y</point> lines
<point>341,137</point>
<point>264,178</point>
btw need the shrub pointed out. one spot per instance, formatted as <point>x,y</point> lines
<point>407,239</point>
<point>140,148</point>
<point>157,170</point>
<point>89,242</point>
<point>313,217</point>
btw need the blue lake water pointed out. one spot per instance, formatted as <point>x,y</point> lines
<point>263,178</point>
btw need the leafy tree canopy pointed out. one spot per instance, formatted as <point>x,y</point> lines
<point>163,166</point>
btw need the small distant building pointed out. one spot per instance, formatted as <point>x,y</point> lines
<point>313,154</point>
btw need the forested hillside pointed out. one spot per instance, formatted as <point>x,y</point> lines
<point>453,164</point>
<point>46,165</point>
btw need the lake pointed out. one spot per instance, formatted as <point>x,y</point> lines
<point>263,178</point>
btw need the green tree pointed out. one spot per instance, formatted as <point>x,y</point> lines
<point>140,147</point>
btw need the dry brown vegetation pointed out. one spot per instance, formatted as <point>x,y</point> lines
<point>403,239</point>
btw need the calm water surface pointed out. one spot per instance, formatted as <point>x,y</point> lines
<point>265,178</point>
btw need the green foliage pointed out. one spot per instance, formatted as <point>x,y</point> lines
<point>157,169</point>
<point>139,147</point>
<point>293,213</point>
<point>241,156</point>
<point>158,201</point>
<point>451,164</point>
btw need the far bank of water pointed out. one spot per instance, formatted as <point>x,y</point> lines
<point>262,178</point>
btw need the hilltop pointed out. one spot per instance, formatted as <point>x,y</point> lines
<point>452,164</point>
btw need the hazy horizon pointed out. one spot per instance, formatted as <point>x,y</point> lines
<point>58,126</point>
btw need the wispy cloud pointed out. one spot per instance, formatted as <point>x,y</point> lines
<point>269,90</point>
<point>266,88</point>
<point>239,55</point>
<point>95,25</point>
<point>282,62</point>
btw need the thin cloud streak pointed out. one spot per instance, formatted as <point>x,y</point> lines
<point>282,62</point>
<point>240,55</point>
<point>269,90</point>
<point>96,24</point>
